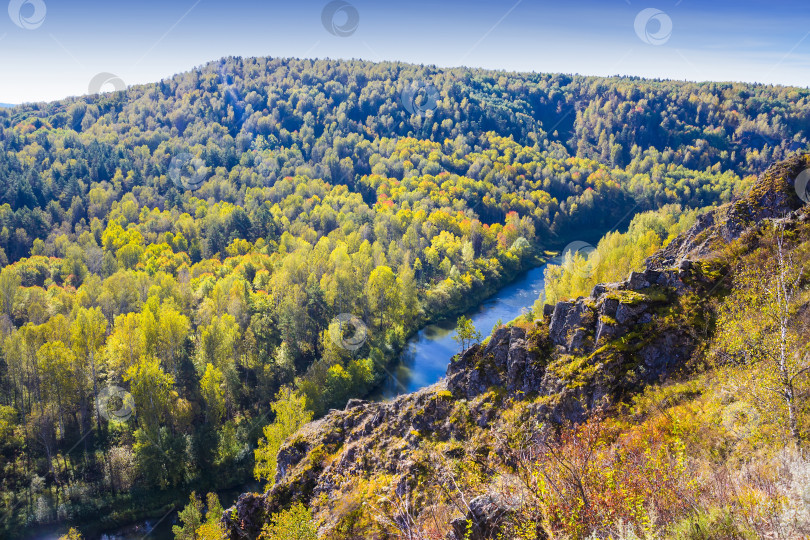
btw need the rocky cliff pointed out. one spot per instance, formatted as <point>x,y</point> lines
<point>580,356</point>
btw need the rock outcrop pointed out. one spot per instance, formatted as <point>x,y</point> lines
<point>365,436</point>
<point>505,360</point>
<point>616,334</point>
<point>482,522</point>
<point>772,197</point>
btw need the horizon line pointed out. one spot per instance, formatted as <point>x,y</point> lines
<point>435,66</point>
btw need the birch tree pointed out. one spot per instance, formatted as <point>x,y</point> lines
<point>757,331</point>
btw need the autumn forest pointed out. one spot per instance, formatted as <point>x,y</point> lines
<point>180,251</point>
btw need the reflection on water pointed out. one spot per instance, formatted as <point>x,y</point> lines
<point>160,528</point>
<point>150,529</point>
<point>426,355</point>
<point>153,529</point>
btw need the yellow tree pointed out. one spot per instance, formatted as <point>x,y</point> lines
<point>290,414</point>
<point>165,330</point>
<point>88,332</point>
<point>152,389</point>
<point>72,534</point>
<point>173,329</point>
<point>383,293</point>
<point>293,524</point>
<point>56,363</point>
<point>126,343</point>
<point>211,388</point>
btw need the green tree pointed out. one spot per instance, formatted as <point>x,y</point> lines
<point>191,518</point>
<point>466,334</point>
<point>161,456</point>
<point>218,346</point>
<point>9,286</point>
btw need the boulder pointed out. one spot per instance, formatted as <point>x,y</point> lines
<point>483,521</point>
<point>637,281</point>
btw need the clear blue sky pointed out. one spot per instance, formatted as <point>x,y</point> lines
<point>146,40</point>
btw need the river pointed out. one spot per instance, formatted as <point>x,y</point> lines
<point>427,354</point>
<point>158,528</point>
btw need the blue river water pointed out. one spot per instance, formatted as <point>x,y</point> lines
<point>427,354</point>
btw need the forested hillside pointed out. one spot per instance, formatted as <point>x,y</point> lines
<point>178,251</point>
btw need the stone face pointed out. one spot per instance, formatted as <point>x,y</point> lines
<point>652,276</point>
<point>557,328</point>
<point>628,313</point>
<point>598,290</point>
<point>608,306</point>
<point>247,517</point>
<point>578,339</point>
<point>604,331</point>
<point>505,361</point>
<point>483,521</point>
<point>569,324</point>
<point>663,354</point>
<point>517,364</point>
